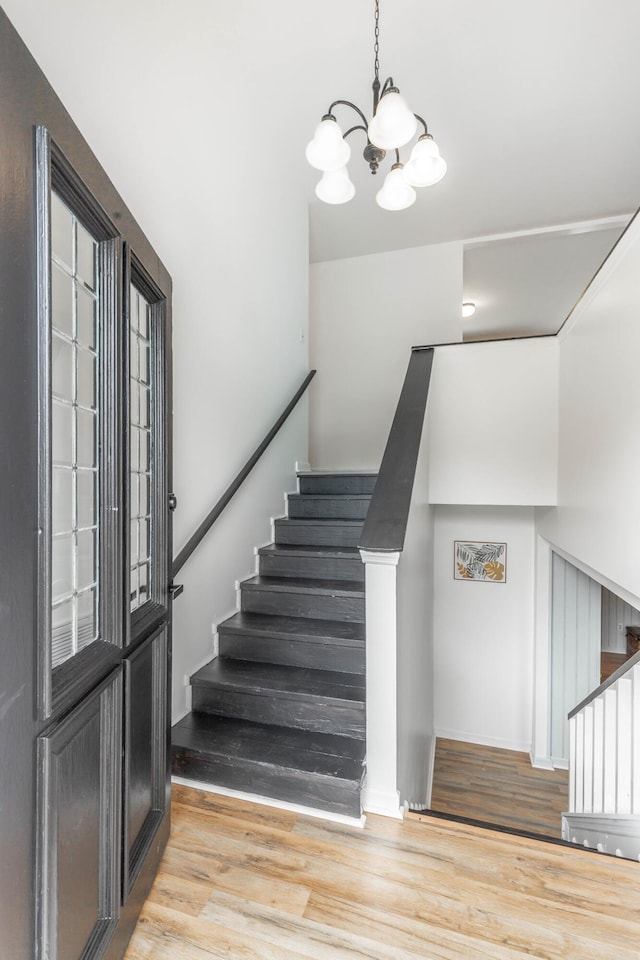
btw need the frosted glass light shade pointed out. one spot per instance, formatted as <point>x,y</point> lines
<point>425,166</point>
<point>328,150</point>
<point>393,124</point>
<point>396,193</point>
<point>335,186</point>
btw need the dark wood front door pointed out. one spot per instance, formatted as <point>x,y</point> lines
<point>85,538</point>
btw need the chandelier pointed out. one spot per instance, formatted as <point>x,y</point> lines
<point>392,126</point>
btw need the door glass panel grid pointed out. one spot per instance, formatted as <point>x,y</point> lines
<point>74,434</point>
<point>141,448</point>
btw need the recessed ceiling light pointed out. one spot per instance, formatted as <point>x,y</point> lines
<point>468,308</point>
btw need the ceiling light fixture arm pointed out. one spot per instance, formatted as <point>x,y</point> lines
<point>372,154</point>
<point>345,103</point>
<point>357,127</point>
<point>426,129</point>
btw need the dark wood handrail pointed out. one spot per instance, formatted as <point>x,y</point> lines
<point>620,672</point>
<point>213,514</point>
<point>386,523</point>
<point>476,343</point>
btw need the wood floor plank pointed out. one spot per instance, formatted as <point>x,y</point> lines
<point>307,937</point>
<point>178,893</point>
<point>275,894</point>
<point>236,882</point>
<point>217,803</point>
<point>164,934</point>
<point>410,935</point>
<point>498,786</point>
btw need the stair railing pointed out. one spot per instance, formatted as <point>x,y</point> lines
<point>200,533</point>
<point>386,523</point>
<point>604,754</point>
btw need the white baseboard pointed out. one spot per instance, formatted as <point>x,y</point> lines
<point>541,763</point>
<point>559,763</point>
<point>184,713</point>
<point>384,803</point>
<point>431,760</point>
<point>225,616</point>
<point>521,746</point>
<point>302,466</point>
<point>269,802</point>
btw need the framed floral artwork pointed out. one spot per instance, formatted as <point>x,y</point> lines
<point>474,560</point>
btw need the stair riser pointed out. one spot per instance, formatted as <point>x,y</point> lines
<point>314,508</point>
<point>310,606</point>
<point>344,720</point>
<point>321,534</point>
<point>292,786</point>
<point>292,653</point>
<point>330,484</point>
<point>316,568</point>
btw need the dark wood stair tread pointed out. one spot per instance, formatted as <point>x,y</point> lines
<point>332,588</point>
<point>296,628</point>
<point>321,753</point>
<point>329,496</point>
<point>309,550</point>
<point>323,521</point>
<point>284,682</point>
<point>336,473</point>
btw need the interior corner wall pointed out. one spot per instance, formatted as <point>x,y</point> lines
<point>365,315</point>
<point>483,632</point>
<point>597,518</point>
<point>237,252</point>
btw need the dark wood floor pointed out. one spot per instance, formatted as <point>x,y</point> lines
<point>498,786</point>
<point>609,663</point>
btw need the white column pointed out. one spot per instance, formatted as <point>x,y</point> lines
<point>381,786</point>
<point>540,748</point>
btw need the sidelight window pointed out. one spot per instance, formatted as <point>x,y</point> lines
<point>141,451</point>
<point>75,427</point>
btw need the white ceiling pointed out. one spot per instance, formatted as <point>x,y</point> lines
<point>533,104</point>
<point>530,284</point>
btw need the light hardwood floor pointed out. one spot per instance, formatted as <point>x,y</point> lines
<point>249,882</point>
<point>498,786</point>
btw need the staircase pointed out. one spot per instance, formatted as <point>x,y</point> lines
<point>280,712</point>
<point>604,767</point>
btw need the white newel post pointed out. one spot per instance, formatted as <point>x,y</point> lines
<point>381,786</point>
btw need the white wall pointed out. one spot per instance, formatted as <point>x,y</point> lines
<point>575,648</point>
<point>493,423</point>
<point>168,97</point>
<point>483,632</point>
<point>366,314</point>
<point>598,514</point>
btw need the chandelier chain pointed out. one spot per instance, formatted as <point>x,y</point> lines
<point>376,45</point>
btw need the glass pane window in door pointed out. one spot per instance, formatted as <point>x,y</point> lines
<point>74,429</point>
<point>140,446</point>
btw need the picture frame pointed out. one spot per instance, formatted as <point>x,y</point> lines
<point>480,561</point>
